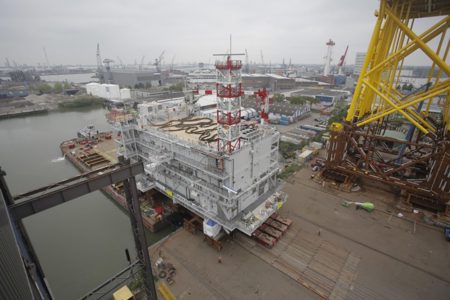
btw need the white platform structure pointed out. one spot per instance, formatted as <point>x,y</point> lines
<point>225,175</point>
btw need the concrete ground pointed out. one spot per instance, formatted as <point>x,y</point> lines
<point>240,275</point>
<point>398,260</point>
<point>330,252</point>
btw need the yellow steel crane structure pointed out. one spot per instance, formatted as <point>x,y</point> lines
<point>397,137</point>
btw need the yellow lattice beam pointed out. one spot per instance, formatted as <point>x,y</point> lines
<point>392,41</point>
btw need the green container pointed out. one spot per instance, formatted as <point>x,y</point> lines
<point>368,206</point>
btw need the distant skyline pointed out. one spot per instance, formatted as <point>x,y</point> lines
<point>188,31</point>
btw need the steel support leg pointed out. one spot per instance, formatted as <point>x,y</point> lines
<point>38,283</point>
<point>137,226</point>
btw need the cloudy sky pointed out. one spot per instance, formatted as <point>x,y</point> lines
<point>190,31</point>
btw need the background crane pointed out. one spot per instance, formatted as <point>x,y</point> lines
<point>120,62</point>
<point>171,63</point>
<point>247,64</point>
<point>142,62</point>
<point>342,61</point>
<point>158,61</point>
<point>262,63</point>
<point>47,62</point>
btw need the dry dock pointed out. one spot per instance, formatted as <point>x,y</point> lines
<point>330,252</point>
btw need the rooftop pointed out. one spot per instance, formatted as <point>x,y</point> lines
<point>195,130</point>
<point>319,91</point>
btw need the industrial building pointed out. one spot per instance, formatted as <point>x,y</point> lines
<point>221,169</point>
<point>202,78</point>
<point>359,61</point>
<point>272,82</point>
<point>108,91</point>
<point>206,79</point>
<point>325,96</point>
<point>294,112</point>
<point>134,77</point>
<point>13,90</point>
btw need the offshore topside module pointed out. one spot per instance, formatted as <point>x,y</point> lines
<point>223,170</point>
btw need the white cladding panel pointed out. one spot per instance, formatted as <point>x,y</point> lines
<point>125,94</point>
<point>242,168</point>
<point>261,157</point>
<point>213,185</point>
<point>111,91</point>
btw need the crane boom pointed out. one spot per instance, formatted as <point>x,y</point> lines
<point>342,60</point>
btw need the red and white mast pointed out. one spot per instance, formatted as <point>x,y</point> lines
<point>229,93</point>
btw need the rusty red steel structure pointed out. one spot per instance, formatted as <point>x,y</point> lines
<point>401,138</point>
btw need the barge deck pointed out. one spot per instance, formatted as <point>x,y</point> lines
<point>89,154</point>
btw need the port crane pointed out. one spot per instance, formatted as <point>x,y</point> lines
<point>171,63</point>
<point>247,64</point>
<point>395,137</point>
<point>47,62</point>
<point>158,61</point>
<point>262,63</point>
<point>142,62</point>
<point>121,62</point>
<point>342,61</point>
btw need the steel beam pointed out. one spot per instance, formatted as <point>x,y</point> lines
<point>97,290</point>
<point>50,196</point>
<point>63,193</point>
<point>137,226</point>
<point>36,277</point>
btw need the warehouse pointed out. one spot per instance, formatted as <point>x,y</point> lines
<point>325,96</point>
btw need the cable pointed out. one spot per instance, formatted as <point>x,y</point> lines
<point>190,125</point>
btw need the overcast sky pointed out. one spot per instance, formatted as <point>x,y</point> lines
<point>189,30</point>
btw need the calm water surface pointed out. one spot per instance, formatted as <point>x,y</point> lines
<point>80,243</point>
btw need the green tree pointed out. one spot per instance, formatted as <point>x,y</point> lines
<point>44,88</point>
<point>338,114</point>
<point>278,97</point>
<point>300,100</point>
<point>177,87</point>
<point>287,149</point>
<point>407,87</point>
<point>58,88</point>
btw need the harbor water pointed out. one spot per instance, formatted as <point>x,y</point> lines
<point>80,243</point>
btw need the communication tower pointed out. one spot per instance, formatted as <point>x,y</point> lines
<point>229,93</point>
